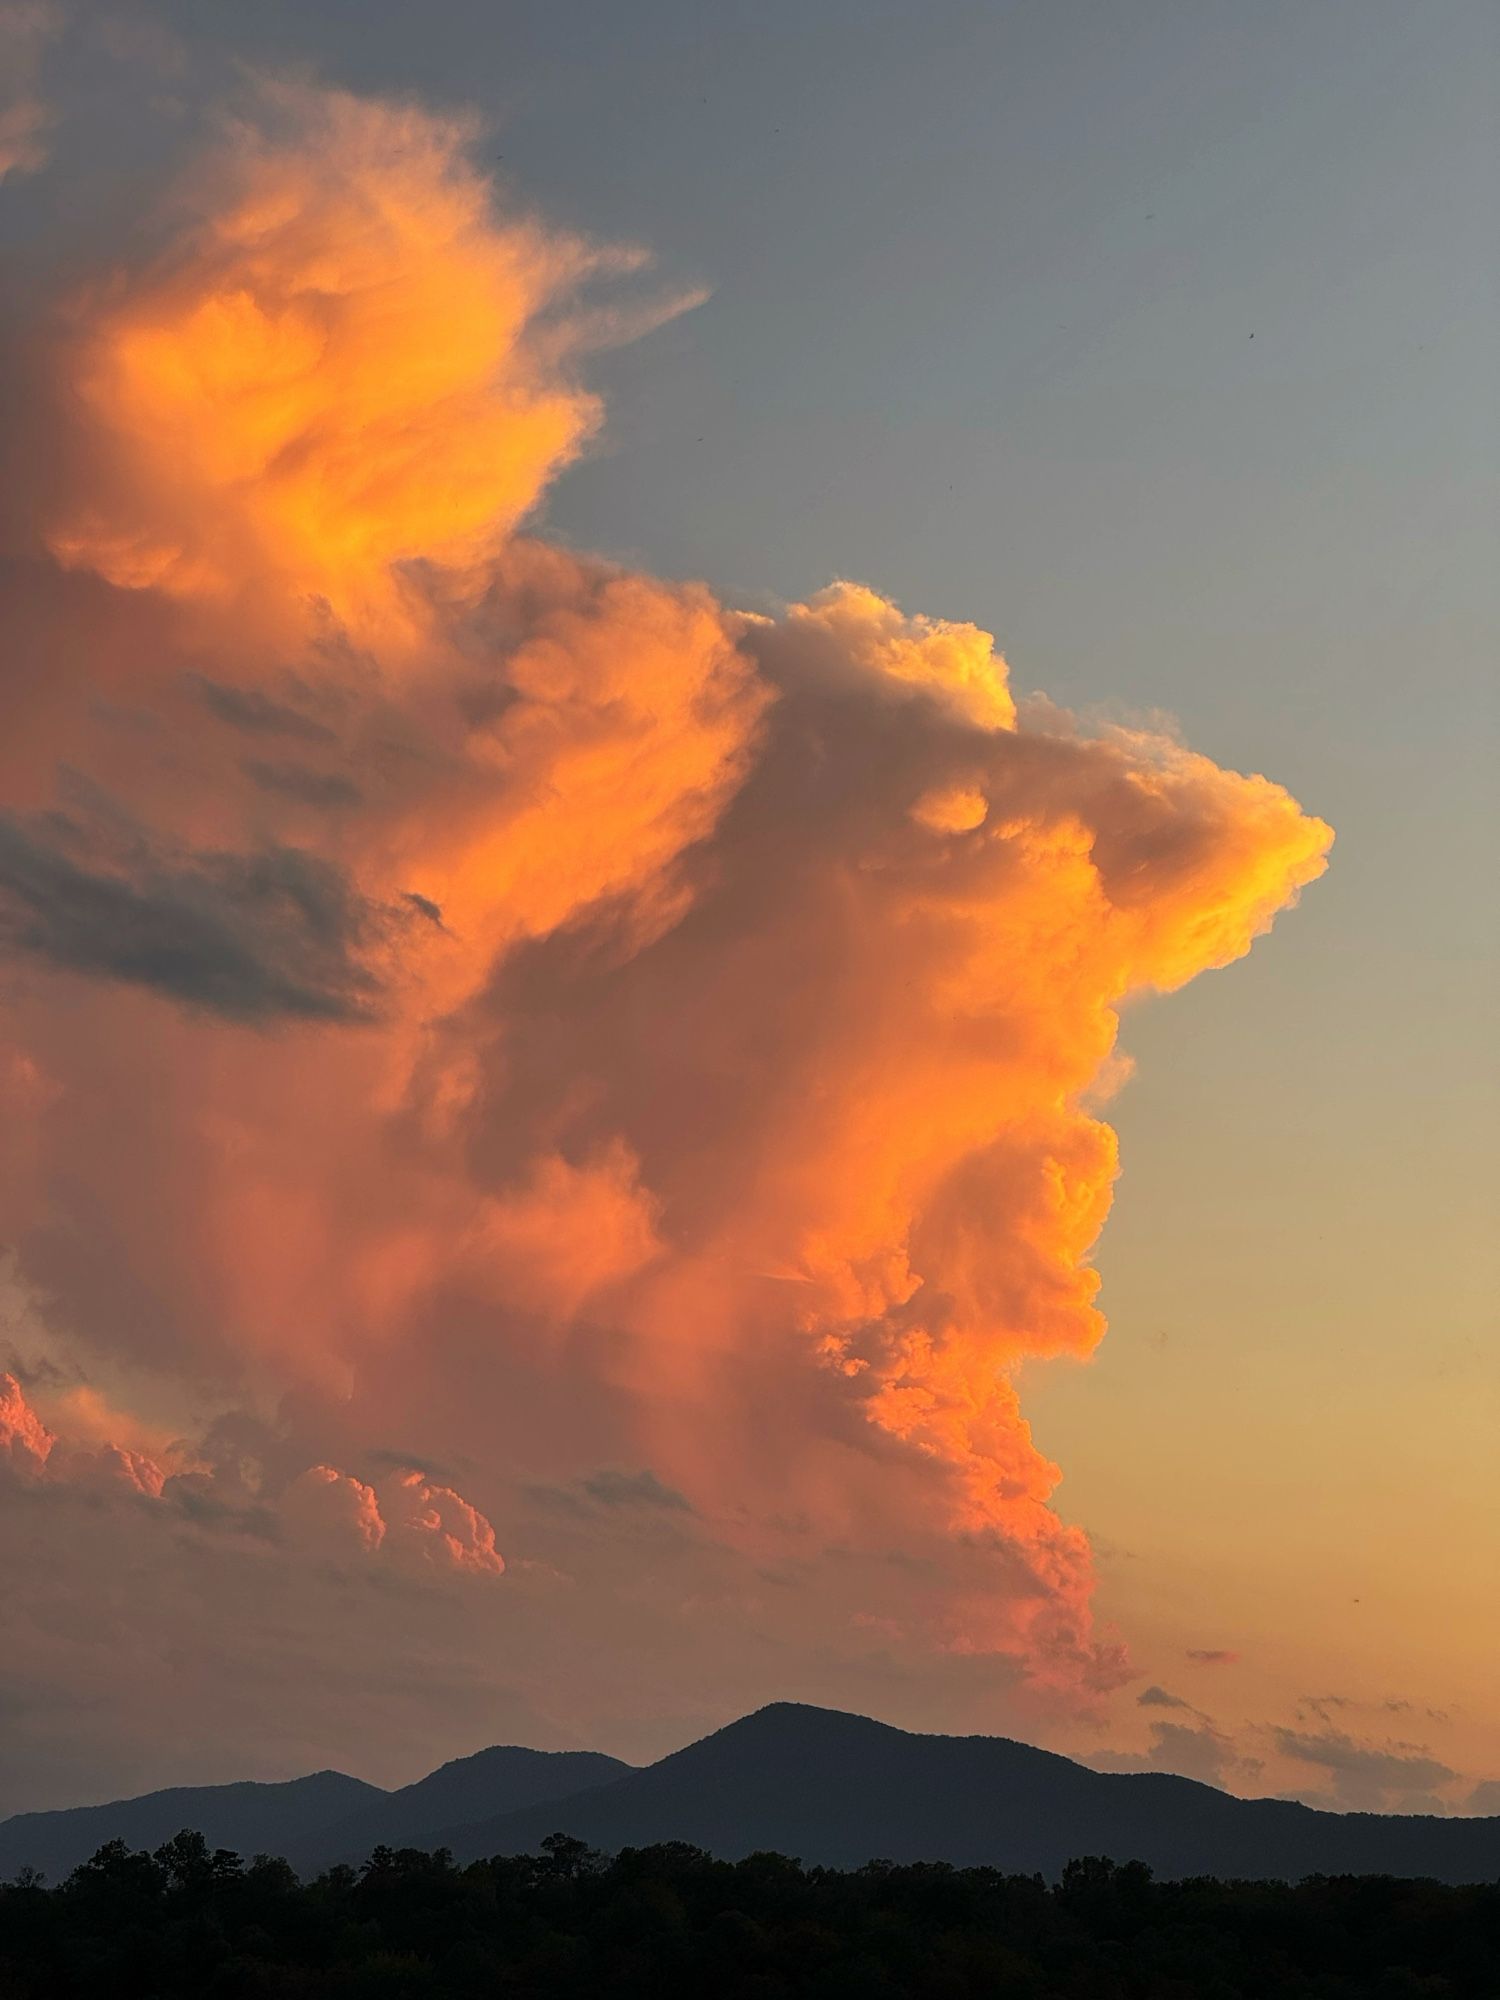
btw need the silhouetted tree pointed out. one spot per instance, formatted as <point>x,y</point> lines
<point>673,1923</point>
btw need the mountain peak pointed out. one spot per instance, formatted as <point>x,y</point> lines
<point>796,1715</point>
<point>836,1788</point>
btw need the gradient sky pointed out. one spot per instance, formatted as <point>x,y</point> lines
<point>1157,343</point>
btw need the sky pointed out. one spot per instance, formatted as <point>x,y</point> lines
<point>665,669</point>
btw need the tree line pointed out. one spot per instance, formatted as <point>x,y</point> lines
<point>672,1923</point>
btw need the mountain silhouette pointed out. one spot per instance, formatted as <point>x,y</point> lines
<point>840,1790</point>
<point>824,1786</point>
<point>495,1781</point>
<point>314,1822</point>
<point>252,1819</point>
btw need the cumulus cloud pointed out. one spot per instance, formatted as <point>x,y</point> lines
<point>91,1463</point>
<point>345,352</point>
<point>439,1526</point>
<point>1158,1697</point>
<point>729,1101</point>
<point>405,1515</point>
<point>334,1510</point>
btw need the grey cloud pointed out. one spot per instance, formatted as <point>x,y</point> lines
<point>635,1489</point>
<point>252,936</point>
<point>1325,1706</point>
<point>425,907</point>
<point>1485,1797</point>
<point>1365,1774</point>
<point>555,1499</point>
<point>408,1461</point>
<point>1157,1697</point>
<point>196,1503</point>
<point>120,715</point>
<point>1395,1707</point>
<point>611,1488</point>
<point>1190,1750</point>
<point>307,788</point>
<point>256,713</point>
<point>40,1371</point>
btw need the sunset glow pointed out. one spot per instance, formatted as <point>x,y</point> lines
<point>542,1103</point>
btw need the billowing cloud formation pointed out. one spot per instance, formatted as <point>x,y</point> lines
<point>338,370</point>
<point>332,1511</point>
<point>328,1505</point>
<point>38,1456</point>
<point>534,1006</point>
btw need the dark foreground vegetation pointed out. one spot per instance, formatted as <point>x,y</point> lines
<point>664,1922</point>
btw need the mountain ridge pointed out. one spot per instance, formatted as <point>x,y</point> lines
<point>415,1815</point>
<point>827,1786</point>
<point>841,1789</point>
<point>249,1816</point>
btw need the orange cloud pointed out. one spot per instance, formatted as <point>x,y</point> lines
<point>410,1517</point>
<point>333,372</point>
<point>25,1441</point>
<point>439,1526</point>
<point>333,1509</point>
<point>540,996</point>
<point>81,1458</point>
<point>568,1232</point>
<point>852,629</point>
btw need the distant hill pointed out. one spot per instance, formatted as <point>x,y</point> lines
<point>826,1787</point>
<point>492,1782</point>
<point>253,1819</point>
<point>313,1822</point>
<point>841,1790</point>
